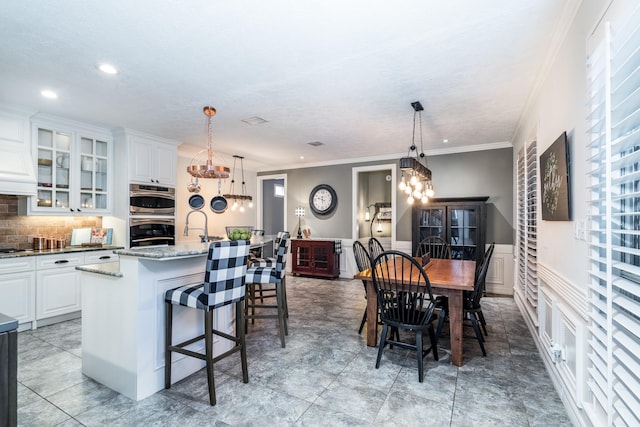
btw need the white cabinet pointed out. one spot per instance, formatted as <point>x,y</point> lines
<point>152,161</point>
<point>74,168</point>
<point>17,288</point>
<point>40,287</point>
<point>16,168</point>
<point>58,284</point>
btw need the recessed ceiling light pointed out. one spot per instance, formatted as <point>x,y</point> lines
<point>301,157</point>
<point>255,120</point>
<point>49,94</point>
<point>445,141</point>
<point>108,69</point>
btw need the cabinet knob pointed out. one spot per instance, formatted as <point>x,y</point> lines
<point>72,210</point>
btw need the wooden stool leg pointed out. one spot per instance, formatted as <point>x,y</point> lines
<point>252,297</point>
<point>168,325</point>
<point>281,321</point>
<point>240,333</point>
<point>208,342</point>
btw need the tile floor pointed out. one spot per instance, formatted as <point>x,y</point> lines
<point>324,377</point>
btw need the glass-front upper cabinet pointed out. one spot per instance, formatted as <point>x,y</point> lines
<point>459,221</point>
<point>74,170</point>
<point>93,172</point>
<point>54,155</point>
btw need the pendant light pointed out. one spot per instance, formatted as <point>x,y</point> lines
<point>238,197</point>
<point>415,179</point>
<point>208,169</point>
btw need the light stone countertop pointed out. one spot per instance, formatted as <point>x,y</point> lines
<point>65,250</point>
<point>181,251</point>
<point>160,253</point>
<point>107,268</point>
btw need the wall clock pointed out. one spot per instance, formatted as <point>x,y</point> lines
<point>323,199</point>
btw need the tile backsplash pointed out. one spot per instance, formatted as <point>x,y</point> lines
<point>18,231</point>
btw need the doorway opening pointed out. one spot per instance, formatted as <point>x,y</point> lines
<point>272,193</point>
<point>374,191</point>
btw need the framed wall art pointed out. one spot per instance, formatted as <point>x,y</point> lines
<point>555,180</point>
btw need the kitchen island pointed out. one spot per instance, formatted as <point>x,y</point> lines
<point>123,317</point>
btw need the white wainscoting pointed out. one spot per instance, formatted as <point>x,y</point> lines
<point>561,337</point>
<point>500,276</point>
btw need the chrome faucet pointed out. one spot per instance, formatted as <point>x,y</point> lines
<point>204,237</point>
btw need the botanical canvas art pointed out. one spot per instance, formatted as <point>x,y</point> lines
<point>554,176</point>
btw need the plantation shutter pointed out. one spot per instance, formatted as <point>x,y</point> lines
<point>527,287</point>
<point>614,207</point>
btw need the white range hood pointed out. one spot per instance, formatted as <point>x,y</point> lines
<point>17,174</point>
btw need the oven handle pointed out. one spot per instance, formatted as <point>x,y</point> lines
<point>144,221</point>
<point>149,239</point>
<point>154,194</point>
<point>157,211</point>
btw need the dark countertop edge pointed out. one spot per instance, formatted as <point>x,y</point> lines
<point>7,323</point>
<point>107,269</point>
<point>67,250</point>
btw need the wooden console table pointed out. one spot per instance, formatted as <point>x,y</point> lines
<point>316,257</point>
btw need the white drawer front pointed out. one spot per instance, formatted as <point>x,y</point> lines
<point>59,260</point>
<point>99,257</point>
<point>14,265</point>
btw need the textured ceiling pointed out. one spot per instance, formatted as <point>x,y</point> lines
<point>340,72</point>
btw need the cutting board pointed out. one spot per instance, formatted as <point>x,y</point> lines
<point>80,236</point>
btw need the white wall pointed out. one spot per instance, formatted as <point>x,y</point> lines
<point>558,104</point>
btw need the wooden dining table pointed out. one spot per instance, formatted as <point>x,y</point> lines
<point>449,278</point>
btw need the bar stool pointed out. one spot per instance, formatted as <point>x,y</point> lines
<point>224,284</point>
<point>267,261</point>
<point>272,274</point>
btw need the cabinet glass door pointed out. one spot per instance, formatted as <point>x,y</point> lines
<point>93,169</point>
<point>463,232</point>
<point>303,258</point>
<point>320,257</point>
<point>432,223</point>
<point>54,157</point>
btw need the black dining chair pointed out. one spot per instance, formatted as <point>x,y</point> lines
<point>406,302</point>
<point>436,246</point>
<point>471,303</point>
<point>375,247</point>
<point>486,259</point>
<point>363,262</point>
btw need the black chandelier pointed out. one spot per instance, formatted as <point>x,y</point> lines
<point>243,189</point>
<point>416,176</point>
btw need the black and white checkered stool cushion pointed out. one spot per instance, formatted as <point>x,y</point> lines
<point>224,279</point>
<point>269,261</point>
<point>271,272</point>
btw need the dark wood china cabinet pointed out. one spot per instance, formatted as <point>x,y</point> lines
<point>460,221</point>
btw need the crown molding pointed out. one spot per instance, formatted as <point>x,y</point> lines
<point>393,156</point>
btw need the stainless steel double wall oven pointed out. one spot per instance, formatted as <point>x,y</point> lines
<point>151,215</point>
